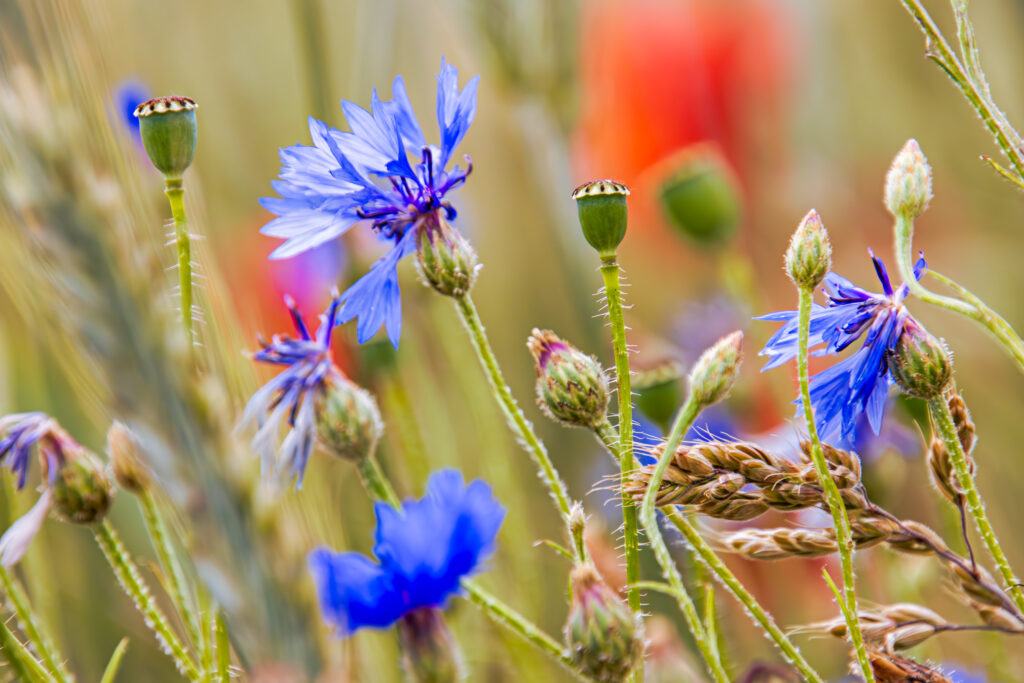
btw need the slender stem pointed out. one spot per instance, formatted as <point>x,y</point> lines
<point>223,648</point>
<point>377,485</point>
<point>27,620</point>
<point>20,658</point>
<point>310,24</point>
<point>130,579</point>
<point>844,539</point>
<point>733,585</point>
<point>648,517</point>
<point>947,431</point>
<point>517,422</point>
<point>114,664</point>
<point>175,192</point>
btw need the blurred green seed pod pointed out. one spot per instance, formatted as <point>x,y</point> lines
<point>82,492</point>
<point>604,637</point>
<point>715,372</point>
<point>429,653</point>
<point>571,386</point>
<point>659,391</point>
<point>920,363</point>
<point>603,214</point>
<point>347,419</point>
<point>446,260</point>
<point>168,129</point>
<point>700,195</point>
<point>809,257</point>
<point>908,184</point>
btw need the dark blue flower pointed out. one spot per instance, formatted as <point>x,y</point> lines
<point>129,95</point>
<point>423,550</point>
<point>293,394</point>
<point>860,383</point>
<point>365,175</point>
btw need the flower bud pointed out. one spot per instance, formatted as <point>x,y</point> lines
<point>603,635</point>
<point>571,386</point>
<point>82,493</point>
<point>716,370</point>
<point>130,470</point>
<point>348,421</point>
<point>920,363</point>
<point>168,129</point>
<point>603,214</point>
<point>429,653</point>
<point>659,392</point>
<point>447,261</point>
<point>908,185</point>
<point>700,196</point>
<point>809,257</point>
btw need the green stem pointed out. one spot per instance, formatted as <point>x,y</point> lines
<point>947,431</point>
<point>844,539</point>
<point>128,576</point>
<point>309,17</point>
<point>517,422</point>
<point>29,624</point>
<point>176,196</point>
<point>21,660</point>
<point>376,484</point>
<point>610,272</point>
<point>733,585</point>
<point>223,648</point>
<point>114,664</point>
<point>648,517</point>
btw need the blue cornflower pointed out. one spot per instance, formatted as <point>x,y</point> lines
<point>127,97</point>
<point>424,549</point>
<point>860,383</point>
<point>365,175</point>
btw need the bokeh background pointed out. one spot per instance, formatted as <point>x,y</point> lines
<point>804,102</point>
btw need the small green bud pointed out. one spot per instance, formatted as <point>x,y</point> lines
<point>447,261</point>
<point>429,653</point>
<point>920,363</point>
<point>715,372</point>
<point>604,637</point>
<point>126,461</point>
<point>659,391</point>
<point>82,493</point>
<point>908,185</point>
<point>348,421</point>
<point>809,257</point>
<point>571,386</point>
<point>603,214</point>
<point>701,197</point>
<point>168,129</point>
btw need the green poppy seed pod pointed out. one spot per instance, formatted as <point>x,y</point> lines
<point>126,462</point>
<point>347,419</point>
<point>908,185</point>
<point>82,492</point>
<point>700,195</point>
<point>168,129</point>
<point>571,386</point>
<point>920,363</point>
<point>603,214</point>
<point>809,257</point>
<point>659,391</point>
<point>715,372</point>
<point>446,260</point>
<point>429,653</point>
<point>604,637</point>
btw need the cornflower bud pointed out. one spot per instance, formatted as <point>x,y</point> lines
<point>429,653</point>
<point>126,462</point>
<point>700,197</point>
<point>603,214</point>
<point>82,493</point>
<point>715,372</point>
<point>908,184</point>
<point>347,419</point>
<point>571,386</point>
<point>809,257</point>
<point>604,636</point>
<point>446,260</point>
<point>168,129</point>
<point>920,363</point>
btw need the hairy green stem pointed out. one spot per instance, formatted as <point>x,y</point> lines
<point>610,272</point>
<point>943,419</point>
<point>175,192</point>
<point>220,629</point>
<point>517,422</point>
<point>128,576</point>
<point>648,517</point>
<point>844,539</point>
<point>29,623</point>
<point>21,660</point>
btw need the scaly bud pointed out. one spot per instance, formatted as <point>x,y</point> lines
<point>347,419</point>
<point>603,214</point>
<point>716,370</point>
<point>659,391</point>
<point>429,653</point>
<point>82,493</point>
<point>571,386</point>
<point>446,260</point>
<point>168,129</point>
<point>126,460</point>
<point>809,257</point>
<point>908,185</point>
<point>700,196</point>
<point>920,363</point>
<point>603,635</point>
